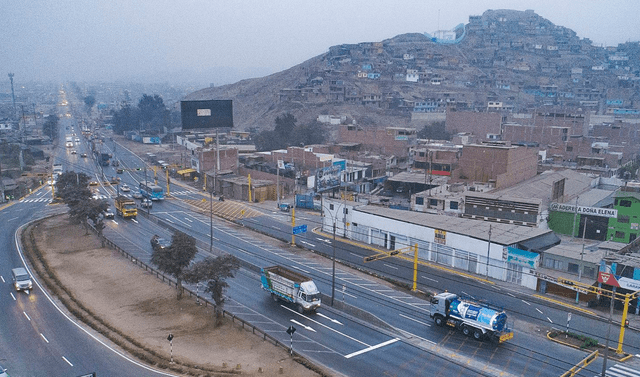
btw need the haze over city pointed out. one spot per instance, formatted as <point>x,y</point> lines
<point>222,42</point>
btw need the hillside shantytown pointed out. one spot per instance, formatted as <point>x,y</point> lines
<point>506,146</point>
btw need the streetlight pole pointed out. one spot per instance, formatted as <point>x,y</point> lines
<point>584,230</point>
<point>606,346</point>
<point>333,275</point>
<point>488,250</point>
<point>211,221</point>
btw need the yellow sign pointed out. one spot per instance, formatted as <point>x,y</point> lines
<point>440,236</point>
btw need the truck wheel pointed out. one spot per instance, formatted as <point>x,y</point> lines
<point>300,309</point>
<point>274,297</point>
<point>477,334</point>
<point>438,320</point>
<point>466,330</point>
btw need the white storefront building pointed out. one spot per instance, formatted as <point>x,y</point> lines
<point>464,244</point>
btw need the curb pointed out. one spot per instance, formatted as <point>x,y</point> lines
<point>611,350</point>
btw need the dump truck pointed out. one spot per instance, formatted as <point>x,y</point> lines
<point>291,286</point>
<point>126,207</point>
<point>472,318</point>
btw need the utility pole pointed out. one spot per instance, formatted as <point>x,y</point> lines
<point>488,250</point>
<point>13,96</point>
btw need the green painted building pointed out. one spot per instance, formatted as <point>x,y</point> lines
<point>624,228</point>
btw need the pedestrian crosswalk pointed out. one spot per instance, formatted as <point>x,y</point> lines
<point>35,200</point>
<point>620,370</point>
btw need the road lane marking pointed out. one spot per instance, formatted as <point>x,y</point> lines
<point>308,243</point>
<point>414,320</point>
<point>65,359</point>
<point>549,319</point>
<point>325,326</point>
<point>539,311</point>
<point>424,277</point>
<point>390,266</point>
<point>2,277</point>
<point>14,297</point>
<point>135,221</point>
<point>296,267</point>
<point>43,337</point>
<point>300,324</point>
<point>526,302</point>
<point>371,348</point>
<point>25,314</point>
<point>330,319</point>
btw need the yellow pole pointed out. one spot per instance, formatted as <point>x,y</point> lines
<point>155,175</point>
<point>624,318</point>
<point>293,224</point>
<point>168,193</point>
<point>249,178</point>
<point>415,267</point>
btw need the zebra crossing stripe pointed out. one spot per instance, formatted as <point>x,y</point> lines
<point>619,370</point>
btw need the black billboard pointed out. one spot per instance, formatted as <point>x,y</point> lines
<point>206,114</point>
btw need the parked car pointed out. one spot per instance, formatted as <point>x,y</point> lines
<point>119,170</point>
<point>125,188</point>
<point>108,214</point>
<point>158,243</point>
<point>74,152</point>
<point>93,183</point>
<point>146,203</point>
<point>137,195</point>
<point>84,155</point>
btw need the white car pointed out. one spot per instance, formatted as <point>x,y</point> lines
<point>125,188</point>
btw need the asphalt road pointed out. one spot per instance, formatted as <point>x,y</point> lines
<point>39,335</point>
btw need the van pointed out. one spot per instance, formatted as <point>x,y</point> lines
<point>21,279</point>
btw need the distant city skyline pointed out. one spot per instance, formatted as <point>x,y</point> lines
<point>218,42</point>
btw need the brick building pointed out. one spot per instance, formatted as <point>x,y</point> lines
<point>479,124</point>
<point>500,164</point>
<point>389,140</point>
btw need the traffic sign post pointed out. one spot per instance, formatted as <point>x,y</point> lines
<point>170,339</point>
<point>290,331</point>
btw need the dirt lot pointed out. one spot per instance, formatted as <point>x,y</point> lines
<point>90,279</point>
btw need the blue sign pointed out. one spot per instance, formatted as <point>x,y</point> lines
<point>299,229</point>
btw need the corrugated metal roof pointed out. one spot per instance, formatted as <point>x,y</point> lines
<point>541,186</point>
<point>504,234</point>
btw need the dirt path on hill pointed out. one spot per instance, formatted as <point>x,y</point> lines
<point>93,281</point>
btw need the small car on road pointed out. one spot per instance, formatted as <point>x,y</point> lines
<point>125,188</point>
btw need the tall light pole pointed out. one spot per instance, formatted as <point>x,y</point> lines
<point>584,230</point>
<point>211,221</point>
<point>488,250</point>
<point>333,274</point>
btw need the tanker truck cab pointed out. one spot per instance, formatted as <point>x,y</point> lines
<point>472,318</point>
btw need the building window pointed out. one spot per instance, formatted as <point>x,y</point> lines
<point>421,154</point>
<point>569,148</point>
<point>453,205</point>
<point>346,211</point>
<point>588,272</point>
<point>625,203</point>
<point>331,207</point>
<point>433,202</point>
<point>623,219</point>
<point>553,264</point>
<point>419,200</point>
<point>573,268</point>
<point>619,234</point>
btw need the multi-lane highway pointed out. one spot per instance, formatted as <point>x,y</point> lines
<point>387,332</point>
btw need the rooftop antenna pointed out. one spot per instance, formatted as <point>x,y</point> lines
<point>13,95</point>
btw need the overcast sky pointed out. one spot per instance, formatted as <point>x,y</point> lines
<point>168,41</point>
